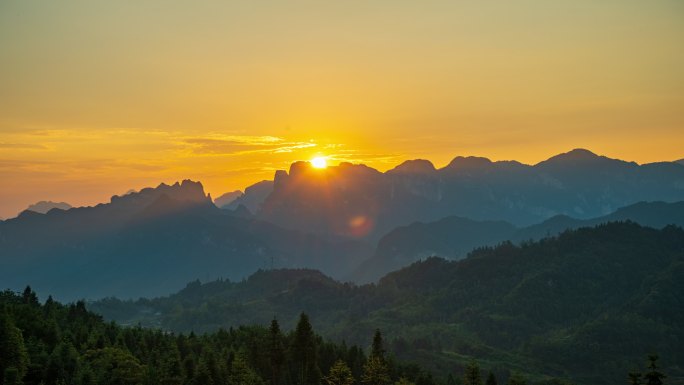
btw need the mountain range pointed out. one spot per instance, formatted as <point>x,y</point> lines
<point>454,237</point>
<point>251,199</point>
<point>330,220</point>
<point>152,242</point>
<point>361,202</point>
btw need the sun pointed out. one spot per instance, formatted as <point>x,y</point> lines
<point>319,162</point>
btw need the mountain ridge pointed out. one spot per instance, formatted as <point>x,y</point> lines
<point>454,237</point>
<point>43,207</point>
<point>578,183</point>
<point>174,230</point>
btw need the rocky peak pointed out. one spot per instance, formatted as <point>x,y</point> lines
<point>415,166</point>
<point>576,155</point>
<point>186,190</point>
<point>468,163</point>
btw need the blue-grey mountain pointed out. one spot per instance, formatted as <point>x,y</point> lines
<point>151,243</point>
<point>454,237</point>
<point>358,201</point>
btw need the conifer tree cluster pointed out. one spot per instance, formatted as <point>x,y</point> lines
<point>652,376</point>
<point>55,344</point>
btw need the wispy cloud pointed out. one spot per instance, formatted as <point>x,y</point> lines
<point>289,147</point>
<point>216,147</point>
<point>23,146</point>
<point>240,145</point>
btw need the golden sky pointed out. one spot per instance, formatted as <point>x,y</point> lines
<point>99,97</point>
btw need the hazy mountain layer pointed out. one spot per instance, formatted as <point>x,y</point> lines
<point>455,237</point>
<point>253,197</point>
<point>152,243</point>
<point>45,206</point>
<point>227,198</point>
<point>587,305</point>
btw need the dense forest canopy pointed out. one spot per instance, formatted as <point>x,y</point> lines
<point>587,305</point>
<point>58,344</point>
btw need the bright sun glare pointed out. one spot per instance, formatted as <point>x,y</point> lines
<point>319,162</point>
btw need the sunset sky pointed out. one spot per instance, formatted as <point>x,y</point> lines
<point>97,98</point>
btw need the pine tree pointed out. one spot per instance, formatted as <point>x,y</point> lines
<point>491,379</point>
<point>202,375</point>
<point>170,368</point>
<point>242,374</point>
<point>304,352</point>
<point>472,374</point>
<point>11,377</point>
<point>189,367</point>
<point>208,359</point>
<point>377,349</point>
<point>62,363</point>
<point>276,353</point>
<point>654,376</point>
<point>340,374</point>
<point>634,378</point>
<point>13,353</point>
<point>85,375</point>
<point>375,372</point>
<point>29,296</point>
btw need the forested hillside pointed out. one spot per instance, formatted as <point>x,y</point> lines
<point>454,237</point>
<point>587,305</point>
<point>56,344</point>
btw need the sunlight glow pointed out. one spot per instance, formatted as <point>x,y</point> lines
<point>319,162</point>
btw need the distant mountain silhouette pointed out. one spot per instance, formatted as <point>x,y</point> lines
<point>358,201</point>
<point>454,237</point>
<point>253,197</point>
<point>152,242</point>
<point>227,198</point>
<point>324,219</point>
<point>43,207</point>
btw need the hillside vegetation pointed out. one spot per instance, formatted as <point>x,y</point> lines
<point>587,305</point>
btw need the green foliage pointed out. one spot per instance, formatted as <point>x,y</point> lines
<point>375,372</point>
<point>13,355</point>
<point>634,378</point>
<point>377,349</point>
<point>276,352</point>
<point>491,379</point>
<point>654,376</point>
<point>517,379</point>
<point>92,352</point>
<point>403,381</point>
<point>63,363</point>
<point>242,374</point>
<point>304,353</point>
<point>340,374</point>
<point>11,376</point>
<point>472,374</point>
<point>115,366</point>
<point>582,306</point>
